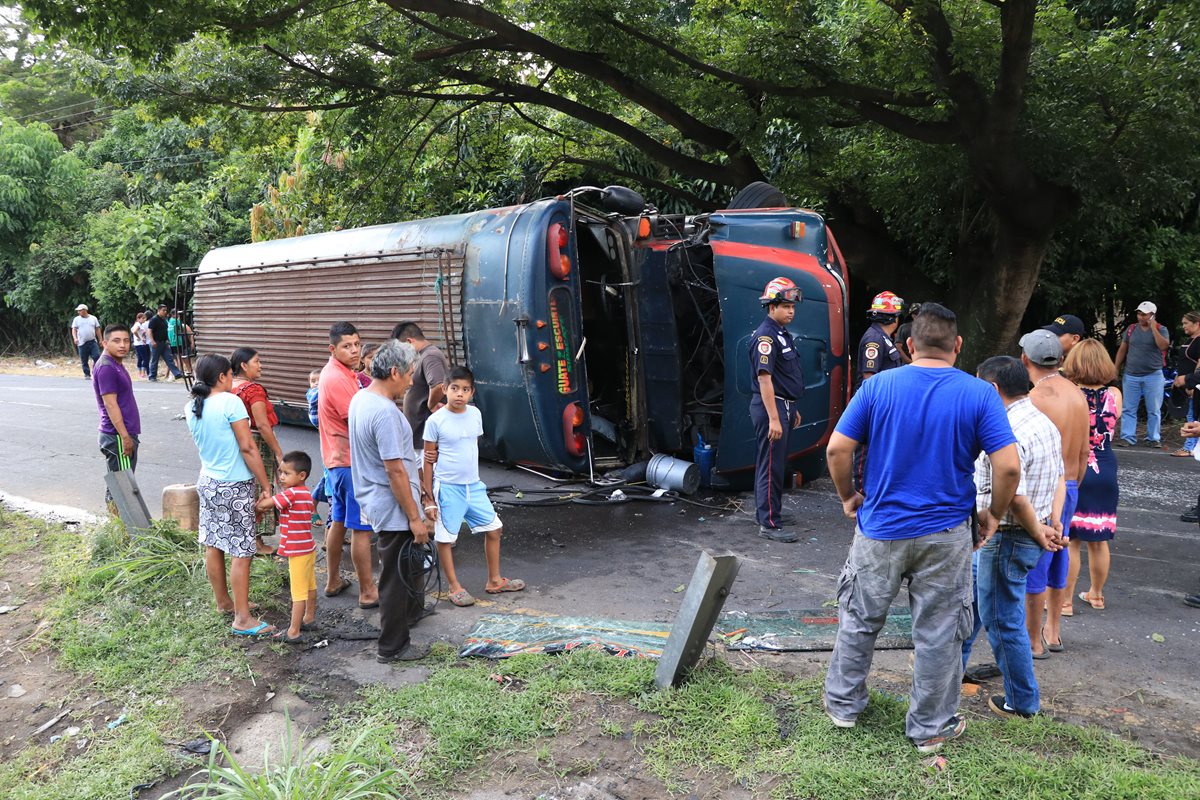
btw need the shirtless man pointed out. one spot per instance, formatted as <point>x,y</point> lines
<point>1067,408</point>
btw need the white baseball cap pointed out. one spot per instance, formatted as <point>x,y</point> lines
<point>1147,307</point>
<point>81,307</point>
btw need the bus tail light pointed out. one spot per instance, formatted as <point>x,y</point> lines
<point>573,436</point>
<point>558,255</point>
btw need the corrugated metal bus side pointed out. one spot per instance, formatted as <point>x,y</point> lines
<point>285,313</point>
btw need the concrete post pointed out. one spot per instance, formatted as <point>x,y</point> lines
<point>702,604</point>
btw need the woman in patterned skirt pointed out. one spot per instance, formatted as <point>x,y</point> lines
<point>1095,520</point>
<point>247,368</point>
<point>229,467</point>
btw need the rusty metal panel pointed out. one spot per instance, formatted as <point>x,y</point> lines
<point>285,313</point>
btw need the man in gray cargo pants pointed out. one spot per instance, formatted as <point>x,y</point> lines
<point>925,423</point>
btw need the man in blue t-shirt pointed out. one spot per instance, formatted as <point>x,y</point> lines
<point>925,423</point>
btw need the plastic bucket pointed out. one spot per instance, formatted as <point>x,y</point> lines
<point>666,472</point>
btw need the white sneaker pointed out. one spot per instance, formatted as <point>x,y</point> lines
<point>837,721</point>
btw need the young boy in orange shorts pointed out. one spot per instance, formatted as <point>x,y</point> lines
<point>295,506</point>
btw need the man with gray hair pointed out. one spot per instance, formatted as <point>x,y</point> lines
<point>384,473</point>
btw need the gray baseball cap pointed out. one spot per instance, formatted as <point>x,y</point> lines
<point>1042,347</point>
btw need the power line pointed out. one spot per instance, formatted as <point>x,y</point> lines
<point>59,108</point>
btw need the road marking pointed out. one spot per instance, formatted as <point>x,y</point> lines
<point>19,403</point>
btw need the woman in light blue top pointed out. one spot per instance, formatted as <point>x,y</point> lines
<point>229,466</point>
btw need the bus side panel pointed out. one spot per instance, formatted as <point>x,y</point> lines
<point>659,350</point>
<point>285,312</point>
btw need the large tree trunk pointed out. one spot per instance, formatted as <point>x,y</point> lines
<point>996,279</point>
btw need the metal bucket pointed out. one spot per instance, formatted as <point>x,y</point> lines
<point>666,472</point>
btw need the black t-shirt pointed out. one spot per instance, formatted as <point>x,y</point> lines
<point>1189,355</point>
<point>158,329</point>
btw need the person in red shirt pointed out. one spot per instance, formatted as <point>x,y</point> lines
<point>336,388</point>
<point>295,507</point>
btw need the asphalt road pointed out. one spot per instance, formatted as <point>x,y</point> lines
<point>626,560</point>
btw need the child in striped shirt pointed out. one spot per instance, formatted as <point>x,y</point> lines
<point>295,506</point>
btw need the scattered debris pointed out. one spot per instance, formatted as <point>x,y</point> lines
<point>201,746</point>
<point>116,723</point>
<point>679,588</point>
<point>7,609</point>
<point>1158,637</point>
<point>937,763</point>
<point>50,723</point>
<point>320,644</point>
<point>829,604</point>
<point>17,690</point>
<point>805,571</point>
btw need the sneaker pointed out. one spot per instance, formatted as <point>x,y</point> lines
<point>1152,444</point>
<point>1192,515</point>
<point>777,534</point>
<point>411,652</point>
<point>837,721</point>
<point>1124,443</point>
<point>172,379</point>
<point>951,730</point>
<point>998,704</point>
<point>1192,600</point>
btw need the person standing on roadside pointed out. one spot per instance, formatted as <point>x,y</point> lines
<point>140,331</point>
<point>162,347</point>
<point>120,420</point>
<point>337,386</point>
<point>905,331</point>
<point>1069,329</point>
<point>925,425</point>
<point>876,349</point>
<point>1192,429</point>
<point>428,391</point>
<point>1067,408</point>
<point>247,369</point>
<point>384,471</point>
<point>85,332</point>
<point>1095,521</point>
<point>1142,353</point>
<point>1187,376</point>
<point>1031,528</point>
<point>778,383</point>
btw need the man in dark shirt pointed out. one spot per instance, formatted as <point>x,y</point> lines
<point>428,390</point>
<point>1141,353</point>
<point>162,346</point>
<point>778,384</point>
<point>876,349</point>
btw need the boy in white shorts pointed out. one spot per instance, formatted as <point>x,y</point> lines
<point>451,491</point>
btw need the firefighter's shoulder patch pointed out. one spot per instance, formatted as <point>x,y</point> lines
<point>764,345</point>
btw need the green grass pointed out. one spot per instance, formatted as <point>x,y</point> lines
<point>757,729</point>
<point>138,616</point>
<point>135,618</point>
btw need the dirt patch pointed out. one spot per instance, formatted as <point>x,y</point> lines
<point>54,365</point>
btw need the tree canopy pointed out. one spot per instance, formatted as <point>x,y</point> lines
<point>1013,158</point>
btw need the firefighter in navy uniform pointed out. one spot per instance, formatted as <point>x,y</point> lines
<point>877,352</point>
<point>779,384</point>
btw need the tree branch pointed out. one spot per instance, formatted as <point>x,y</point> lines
<point>828,88</point>
<point>695,200</point>
<point>466,46</point>
<point>1016,27</point>
<point>584,63</point>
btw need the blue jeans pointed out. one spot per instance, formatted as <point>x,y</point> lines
<point>1004,563</point>
<point>1190,443</point>
<point>163,350</point>
<point>88,350</point>
<point>1135,388</point>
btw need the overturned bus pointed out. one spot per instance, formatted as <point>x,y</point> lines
<point>599,335</point>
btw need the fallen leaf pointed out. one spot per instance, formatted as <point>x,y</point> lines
<point>829,604</point>
<point>679,588</point>
<point>1158,637</point>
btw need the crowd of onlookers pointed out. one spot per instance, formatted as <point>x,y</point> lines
<point>1037,434</point>
<point>1015,465</point>
<point>399,444</point>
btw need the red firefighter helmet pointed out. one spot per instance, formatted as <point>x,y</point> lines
<point>780,290</point>
<point>886,304</point>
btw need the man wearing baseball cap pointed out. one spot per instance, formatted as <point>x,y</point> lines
<point>1143,354</point>
<point>85,331</point>
<point>1069,330</point>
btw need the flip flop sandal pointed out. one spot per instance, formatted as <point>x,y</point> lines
<point>365,606</point>
<point>1096,604</point>
<point>259,630</point>
<point>508,585</point>
<point>345,585</point>
<point>1067,611</point>
<point>232,611</point>
<point>461,598</point>
<point>1182,453</point>
<point>1053,647</point>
